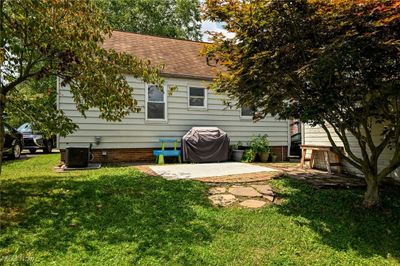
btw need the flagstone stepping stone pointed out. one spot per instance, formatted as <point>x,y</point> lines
<point>252,204</point>
<point>269,197</point>
<point>244,191</point>
<point>222,199</point>
<point>217,190</point>
<point>264,189</point>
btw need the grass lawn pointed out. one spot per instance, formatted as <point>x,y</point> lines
<point>119,216</point>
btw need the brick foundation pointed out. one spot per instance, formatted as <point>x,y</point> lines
<point>133,155</point>
<point>120,155</point>
<point>281,151</point>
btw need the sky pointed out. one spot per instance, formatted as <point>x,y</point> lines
<point>215,27</point>
<point>212,26</point>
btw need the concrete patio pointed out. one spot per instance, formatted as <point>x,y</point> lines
<point>194,171</point>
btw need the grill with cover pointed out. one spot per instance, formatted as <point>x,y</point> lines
<point>205,144</point>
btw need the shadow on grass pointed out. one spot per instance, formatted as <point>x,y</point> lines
<point>9,161</point>
<point>340,220</point>
<point>156,217</point>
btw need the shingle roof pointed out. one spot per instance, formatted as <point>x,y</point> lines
<point>181,58</point>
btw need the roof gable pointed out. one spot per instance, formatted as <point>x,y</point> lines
<point>181,58</point>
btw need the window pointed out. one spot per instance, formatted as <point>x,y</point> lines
<point>155,107</point>
<point>197,97</point>
<point>246,112</point>
<point>25,128</point>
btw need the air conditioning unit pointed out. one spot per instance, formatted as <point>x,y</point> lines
<point>76,157</point>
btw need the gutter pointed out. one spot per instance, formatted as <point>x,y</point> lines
<point>174,75</point>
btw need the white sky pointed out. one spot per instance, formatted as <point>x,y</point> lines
<point>214,27</point>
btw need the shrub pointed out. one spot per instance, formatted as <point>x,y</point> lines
<point>249,156</point>
<point>260,143</point>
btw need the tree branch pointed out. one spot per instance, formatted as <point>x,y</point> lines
<point>393,165</point>
<point>346,144</point>
<point>339,151</point>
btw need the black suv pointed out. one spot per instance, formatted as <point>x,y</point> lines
<point>13,142</point>
<point>34,140</point>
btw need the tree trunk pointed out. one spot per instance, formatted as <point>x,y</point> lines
<point>371,197</point>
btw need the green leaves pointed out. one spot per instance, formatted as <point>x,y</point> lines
<point>170,18</point>
<point>325,62</point>
<point>309,59</point>
<point>60,38</point>
<point>35,102</point>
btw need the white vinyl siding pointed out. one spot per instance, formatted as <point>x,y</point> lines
<point>317,136</point>
<point>135,131</point>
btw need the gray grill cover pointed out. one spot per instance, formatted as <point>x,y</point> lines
<point>205,144</point>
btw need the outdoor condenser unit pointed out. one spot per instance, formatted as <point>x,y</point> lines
<point>76,157</point>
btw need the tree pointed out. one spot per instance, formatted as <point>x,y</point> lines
<point>169,18</point>
<point>329,63</point>
<point>47,38</point>
<point>35,101</point>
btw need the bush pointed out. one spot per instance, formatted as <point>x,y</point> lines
<point>249,156</point>
<point>260,143</point>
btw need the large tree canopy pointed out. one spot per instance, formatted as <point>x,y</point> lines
<point>166,18</point>
<point>330,63</point>
<point>169,18</point>
<point>40,39</point>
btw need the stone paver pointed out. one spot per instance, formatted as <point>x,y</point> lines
<point>217,190</point>
<point>223,199</point>
<point>264,189</point>
<point>252,203</point>
<point>269,197</point>
<point>244,191</point>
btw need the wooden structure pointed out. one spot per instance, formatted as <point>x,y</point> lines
<point>320,148</point>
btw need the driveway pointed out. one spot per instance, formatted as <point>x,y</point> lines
<point>188,171</point>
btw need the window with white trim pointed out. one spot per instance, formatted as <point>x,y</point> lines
<point>246,112</point>
<point>155,103</point>
<point>197,97</point>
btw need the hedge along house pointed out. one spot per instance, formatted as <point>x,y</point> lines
<point>163,115</point>
<point>317,136</point>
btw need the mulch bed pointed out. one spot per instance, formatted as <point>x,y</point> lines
<point>322,179</point>
<point>145,169</point>
<point>241,178</point>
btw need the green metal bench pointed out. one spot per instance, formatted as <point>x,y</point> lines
<point>160,154</point>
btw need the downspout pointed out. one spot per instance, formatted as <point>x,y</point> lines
<point>58,108</point>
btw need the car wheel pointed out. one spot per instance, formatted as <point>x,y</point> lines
<point>16,151</point>
<point>32,150</point>
<point>49,147</point>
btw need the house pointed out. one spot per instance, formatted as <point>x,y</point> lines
<point>317,136</point>
<point>163,115</point>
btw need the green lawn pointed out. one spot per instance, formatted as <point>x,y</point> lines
<point>119,216</point>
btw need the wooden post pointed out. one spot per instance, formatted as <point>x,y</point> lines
<point>339,161</point>
<point>328,164</point>
<point>303,156</point>
<point>312,157</point>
